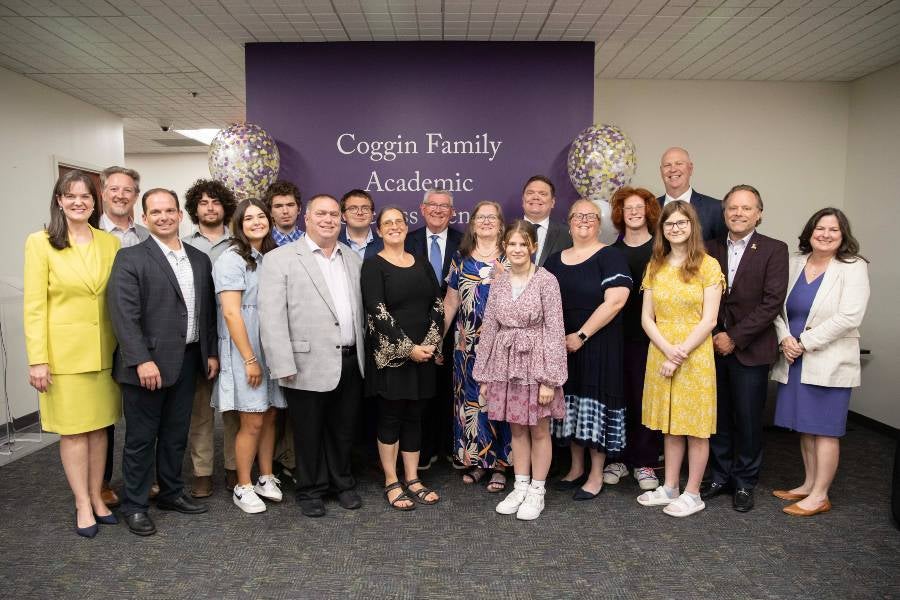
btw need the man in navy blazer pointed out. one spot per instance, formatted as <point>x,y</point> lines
<point>437,242</point>
<point>676,169</point>
<point>745,343</point>
<point>357,210</point>
<point>163,309</point>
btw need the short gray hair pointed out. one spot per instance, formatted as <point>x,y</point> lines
<point>433,191</point>
<point>106,173</point>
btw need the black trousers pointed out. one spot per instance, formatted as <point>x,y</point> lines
<point>735,450</point>
<point>437,420</point>
<point>401,420</point>
<point>323,433</point>
<point>157,424</point>
<point>110,450</point>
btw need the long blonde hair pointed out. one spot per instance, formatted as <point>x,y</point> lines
<point>662,248</point>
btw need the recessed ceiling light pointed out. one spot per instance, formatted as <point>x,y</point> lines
<point>201,135</point>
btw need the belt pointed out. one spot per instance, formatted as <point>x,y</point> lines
<point>348,349</point>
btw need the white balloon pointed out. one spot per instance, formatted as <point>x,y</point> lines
<point>608,232</point>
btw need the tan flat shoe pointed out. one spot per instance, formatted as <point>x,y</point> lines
<point>786,495</point>
<point>795,511</point>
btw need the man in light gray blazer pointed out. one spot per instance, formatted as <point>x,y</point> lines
<point>311,323</point>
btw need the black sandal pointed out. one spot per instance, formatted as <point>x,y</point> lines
<point>475,474</point>
<point>421,494</point>
<point>403,496</point>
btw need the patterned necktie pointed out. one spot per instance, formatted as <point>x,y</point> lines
<point>434,257</point>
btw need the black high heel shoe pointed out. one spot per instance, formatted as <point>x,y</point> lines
<point>109,519</point>
<point>87,532</point>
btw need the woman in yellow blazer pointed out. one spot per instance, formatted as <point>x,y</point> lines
<point>70,342</point>
<point>819,341</point>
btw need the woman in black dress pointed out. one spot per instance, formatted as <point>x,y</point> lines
<point>405,315</point>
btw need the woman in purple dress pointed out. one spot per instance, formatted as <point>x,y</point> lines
<point>521,366</point>
<point>819,341</point>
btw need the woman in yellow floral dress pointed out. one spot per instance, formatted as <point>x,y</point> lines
<point>682,289</point>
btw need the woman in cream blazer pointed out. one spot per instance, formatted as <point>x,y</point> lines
<point>70,342</point>
<point>818,333</point>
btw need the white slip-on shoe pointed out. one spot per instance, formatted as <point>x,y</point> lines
<point>684,506</point>
<point>657,497</point>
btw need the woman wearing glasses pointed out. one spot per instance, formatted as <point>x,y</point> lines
<point>479,443</point>
<point>682,288</point>
<point>594,282</point>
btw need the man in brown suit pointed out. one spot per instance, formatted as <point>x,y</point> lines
<point>756,268</point>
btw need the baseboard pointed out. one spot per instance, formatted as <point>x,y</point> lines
<point>871,423</point>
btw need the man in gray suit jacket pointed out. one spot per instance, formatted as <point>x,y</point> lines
<point>311,324</point>
<point>538,199</point>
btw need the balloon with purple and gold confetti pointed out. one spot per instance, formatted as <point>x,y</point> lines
<point>245,158</point>
<point>601,160</point>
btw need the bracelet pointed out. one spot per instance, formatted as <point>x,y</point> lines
<point>250,360</point>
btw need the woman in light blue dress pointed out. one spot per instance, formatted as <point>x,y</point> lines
<point>243,384</point>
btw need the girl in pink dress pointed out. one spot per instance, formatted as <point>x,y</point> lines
<point>521,366</point>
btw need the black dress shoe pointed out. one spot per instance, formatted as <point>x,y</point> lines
<point>140,524</point>
<point>583,494</point>
<point>314,507</point>
<point>89,531</point>
<point>349,500</point>
<point>743,500</point>
<point>109,519</point>
<point>567,485</point>
<point>183,505</point>
<point>711,490</point>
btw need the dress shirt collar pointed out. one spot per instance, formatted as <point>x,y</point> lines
<point>543,224</point>
<point>740,242</point>
<point>442,236</point>
<point>107,225</point>
<point>685,197</point>
<point>314,248</point>
<point>181,252</point>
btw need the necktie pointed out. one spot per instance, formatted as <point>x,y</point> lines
<point>537,237</point>
<point>434,257</point>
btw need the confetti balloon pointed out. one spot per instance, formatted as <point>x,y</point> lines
<point>601,160</point>
<point>245,158</point>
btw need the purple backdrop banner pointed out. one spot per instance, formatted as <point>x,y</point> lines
<point>478,118</point>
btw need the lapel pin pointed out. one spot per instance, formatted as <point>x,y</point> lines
<point>753,246</point>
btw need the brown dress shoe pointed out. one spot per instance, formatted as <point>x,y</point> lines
<point>202,486</point>
<point>786,495</point>
<point>230,479</point>
<point>795,511</point>
<point>109,496</point>
<point>154,490</point>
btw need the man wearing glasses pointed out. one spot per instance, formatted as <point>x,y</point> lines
<point>438,243</point>
<point>357,210</point>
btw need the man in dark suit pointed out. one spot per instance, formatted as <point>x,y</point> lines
<point>163,310</point>
<point>357,210</point>
<point>538,199</point>
<point>676,169</point>
<point>756,268</point>
<point>437,242</point>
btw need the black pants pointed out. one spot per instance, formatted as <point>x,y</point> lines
<point>437,419</point>
<point>323,433</point>
<point>110,449</point>
<point>642,444</point>
<point>735,450</point>
<point>157,423</point>
<point>401,420</point>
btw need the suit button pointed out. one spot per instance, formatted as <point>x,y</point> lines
<point>337,324</point>
<point>184,315</point>
<point>338,347</point>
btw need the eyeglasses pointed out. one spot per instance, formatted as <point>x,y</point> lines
<point>435,206</point>
<point>585,217</point>
<point>486,218</point>
<point>358,210</point>
<point>670,225</point>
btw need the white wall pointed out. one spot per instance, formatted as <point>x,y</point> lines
<point>171,171</point>
<point>873,178</point>
<point>38,124</point>
<point>786,139</point>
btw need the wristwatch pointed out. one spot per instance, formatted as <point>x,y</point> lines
<point>582,336</point>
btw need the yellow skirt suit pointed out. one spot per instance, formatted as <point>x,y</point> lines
<point>67,326</point>
<point>684,404</point>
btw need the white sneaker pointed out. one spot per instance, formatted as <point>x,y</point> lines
<point>246,499</point>
<point>533,505</point>
<point>646,478</point>
<point>613,472</point>
<point>269,488</point>
<point>510,504</point>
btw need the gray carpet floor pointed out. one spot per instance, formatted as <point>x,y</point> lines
<point>607,548</point>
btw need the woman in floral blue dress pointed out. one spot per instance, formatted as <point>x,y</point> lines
<point>479,443</point>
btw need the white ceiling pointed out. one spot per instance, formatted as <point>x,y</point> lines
<point>145,59</point>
